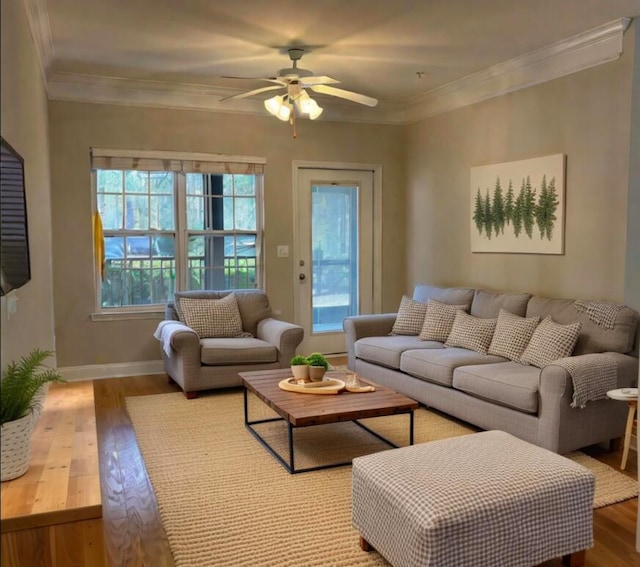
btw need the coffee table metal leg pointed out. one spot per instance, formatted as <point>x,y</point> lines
<point>292,467</point>
<point>384,439</point>
<point>410,428</point>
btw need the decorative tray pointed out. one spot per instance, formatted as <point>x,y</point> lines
<point>326,386</point>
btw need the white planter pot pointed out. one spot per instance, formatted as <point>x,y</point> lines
<point>316,373</point>
<point>15,447</point>
<point>300,371</point>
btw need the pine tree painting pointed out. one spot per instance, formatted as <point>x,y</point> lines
<point>499,218</point>
<point>528,219</point>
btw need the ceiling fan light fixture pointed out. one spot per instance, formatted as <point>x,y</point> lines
<point>278,107</point>
<point>306,105</point>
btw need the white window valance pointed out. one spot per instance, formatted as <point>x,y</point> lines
<point>102,158</point>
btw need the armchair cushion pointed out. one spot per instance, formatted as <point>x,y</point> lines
<point>212,318</point>
<point>226,352</point>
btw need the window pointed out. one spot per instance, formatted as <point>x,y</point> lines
<point>174,224</point>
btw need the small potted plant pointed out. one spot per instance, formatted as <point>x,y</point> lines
<point>299,367</point>
<point>22,391</point>
<point>318,365</point>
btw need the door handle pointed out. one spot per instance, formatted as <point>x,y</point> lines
<point>302,277</point>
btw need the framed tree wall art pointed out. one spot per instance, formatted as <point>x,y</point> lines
<point>518,206</point>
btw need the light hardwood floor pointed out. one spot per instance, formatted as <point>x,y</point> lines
<point>133,532</point>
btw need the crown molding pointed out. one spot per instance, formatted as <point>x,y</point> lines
<point>38,18</point>
<point>576,53</point>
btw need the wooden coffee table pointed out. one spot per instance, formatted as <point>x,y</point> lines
<point>304,410</point>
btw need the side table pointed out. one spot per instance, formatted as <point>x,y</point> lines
<point>629,395</point>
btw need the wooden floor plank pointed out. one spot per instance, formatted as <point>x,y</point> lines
<point>134,536</point>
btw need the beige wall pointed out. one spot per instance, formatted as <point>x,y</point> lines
<point>585,116</point>
<point>23,123</point>
<point>75,127</point>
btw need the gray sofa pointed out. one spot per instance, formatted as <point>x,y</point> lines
<point>493,392</point>
<point>197,364</point>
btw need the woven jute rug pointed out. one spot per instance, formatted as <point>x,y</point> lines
<point>224,501</point>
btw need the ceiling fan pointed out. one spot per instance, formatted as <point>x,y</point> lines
<point>294,81</point>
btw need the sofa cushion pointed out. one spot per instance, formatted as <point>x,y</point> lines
<point>487,304</point>
<point>225,352</point>
<point>508,383</point>
<point>437,365</point>
<point>386,351</point>
<point>439,320</point>
<point>471,332</point>
<point>410,317</point>
<point>212,317</point>
<point>550,341</point>
<point>593,337</point>
<point>512,335</point>
<point>450,295</point>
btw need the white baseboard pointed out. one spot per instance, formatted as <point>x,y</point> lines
<point>116,370</point>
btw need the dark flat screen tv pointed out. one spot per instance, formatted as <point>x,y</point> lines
<point>15,266</point>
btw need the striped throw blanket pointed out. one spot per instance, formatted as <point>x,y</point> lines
<point>593,375</point>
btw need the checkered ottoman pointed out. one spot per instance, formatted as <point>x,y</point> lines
<point>481,500</point>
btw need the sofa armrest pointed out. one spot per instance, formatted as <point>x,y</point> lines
<point>284,336</point>
<point>359,326</point>
<point>555,380</point>
<point>560,424</point>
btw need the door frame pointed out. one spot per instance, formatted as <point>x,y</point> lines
<point>296,166</point>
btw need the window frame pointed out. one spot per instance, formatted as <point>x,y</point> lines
<point>181,230</point>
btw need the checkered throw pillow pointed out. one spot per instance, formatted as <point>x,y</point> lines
<point>410,317</point>
<point>471,332</point>
<point>512,335</point>
<point>212,318</point>
<point>550,341</point>
<point>439,320</point>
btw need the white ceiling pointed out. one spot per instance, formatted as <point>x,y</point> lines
<point>376,47</point>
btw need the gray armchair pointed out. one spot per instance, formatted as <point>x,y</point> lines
<point>197,364</point>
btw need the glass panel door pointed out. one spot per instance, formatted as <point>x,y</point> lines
<point>333,254</point>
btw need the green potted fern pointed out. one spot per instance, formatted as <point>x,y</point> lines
<point>22,390</point>
<point>318,365</point>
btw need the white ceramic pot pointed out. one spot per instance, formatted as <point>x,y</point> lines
<point>316,373</point>
<point>15,447</point>
<point>300,371</point>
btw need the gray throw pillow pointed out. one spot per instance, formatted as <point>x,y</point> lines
<point>512,335</point>
<point>439,320</point>
<point>471,332</point>
<point>410,317</point>
<point>550,341</point>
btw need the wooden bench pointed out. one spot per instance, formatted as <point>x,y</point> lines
<point>52,515</point>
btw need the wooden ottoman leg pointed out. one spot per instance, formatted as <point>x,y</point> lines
<point>365,545</point>
<point>574,559</point>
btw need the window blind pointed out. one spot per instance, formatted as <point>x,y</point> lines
<point>102,158</point>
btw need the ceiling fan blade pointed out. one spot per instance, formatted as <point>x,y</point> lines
<point>268,79</point>
<point>251,93</point>
<point>320,80</point>
<point>349,95</point>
